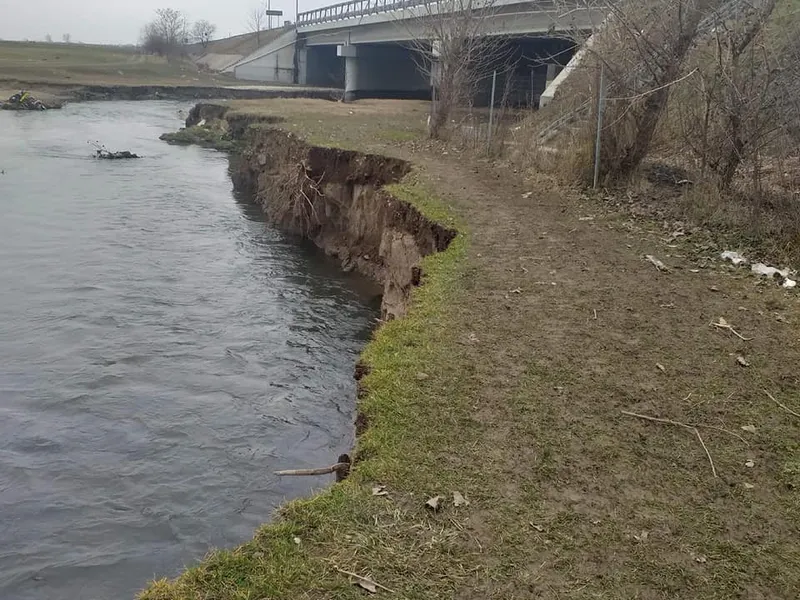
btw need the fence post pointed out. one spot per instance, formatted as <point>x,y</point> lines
<point>491,107</point>
<point>601,101</point>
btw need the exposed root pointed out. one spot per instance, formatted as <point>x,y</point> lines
<point>301,192</point>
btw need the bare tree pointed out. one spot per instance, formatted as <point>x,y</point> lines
<point>737,105</point>
<point>456,50</point>
<point>203,31</point>
<point>165,34</point>
<point>255,21</point>
<point>641,48</point>
<point>66,38</point>
<point>48,38</point>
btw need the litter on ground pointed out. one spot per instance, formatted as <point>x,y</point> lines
<point>734,257</point>
<point>782,275</point>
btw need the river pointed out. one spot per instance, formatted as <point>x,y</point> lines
<point>162,352</point>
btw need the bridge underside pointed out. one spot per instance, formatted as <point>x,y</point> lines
<point>398,70</point>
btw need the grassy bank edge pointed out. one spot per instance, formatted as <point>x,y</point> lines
<point>297,553</point>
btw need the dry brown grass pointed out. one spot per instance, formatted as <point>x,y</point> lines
<point>38,64</point>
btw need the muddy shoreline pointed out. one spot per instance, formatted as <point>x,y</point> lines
<point>66,92</point>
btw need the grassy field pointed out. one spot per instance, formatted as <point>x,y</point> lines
<point>38,64</point>
<point>529,376</point>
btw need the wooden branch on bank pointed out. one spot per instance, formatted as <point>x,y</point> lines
<point>679,424</point>
<point>364,580</point>
<point>783,406</point>
<point>337,468</point>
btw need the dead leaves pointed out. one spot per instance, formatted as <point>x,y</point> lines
<point>435,503</point>
<point>459,500</point>
<point>367,584</point>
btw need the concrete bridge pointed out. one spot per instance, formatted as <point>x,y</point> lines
<point>371,48</point>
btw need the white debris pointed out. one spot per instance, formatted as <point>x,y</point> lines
<point>656,263</point>
<point>781,274</point>
<point>735,257</point>
<point>762,269</point>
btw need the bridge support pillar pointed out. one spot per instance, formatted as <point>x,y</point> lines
<point>351,75</point>
<point>381,71</point>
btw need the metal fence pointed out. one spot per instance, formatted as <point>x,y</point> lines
<point>353,9</point>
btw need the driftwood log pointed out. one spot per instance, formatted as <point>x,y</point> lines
<point>341,468</point>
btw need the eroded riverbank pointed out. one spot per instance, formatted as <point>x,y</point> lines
<point>506,382</point>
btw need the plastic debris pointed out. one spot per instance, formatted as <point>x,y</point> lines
<point>735,257</point>
<point>762,269</point>
<point>782,275</point>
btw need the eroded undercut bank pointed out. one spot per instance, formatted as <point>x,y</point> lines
<point>337,199</point>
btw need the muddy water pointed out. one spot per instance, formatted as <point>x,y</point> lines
<point>162,351</point>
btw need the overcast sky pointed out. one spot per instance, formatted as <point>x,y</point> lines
<point>120,21</point>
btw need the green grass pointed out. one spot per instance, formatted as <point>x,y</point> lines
<point>206,137</point>
<point>346,526</point>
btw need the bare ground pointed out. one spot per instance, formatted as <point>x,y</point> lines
<point>553,325</point>
<point>573,327</point>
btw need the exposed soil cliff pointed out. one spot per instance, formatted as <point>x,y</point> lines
<point>336,199</point>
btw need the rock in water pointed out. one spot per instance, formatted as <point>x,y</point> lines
<point>107,155</point>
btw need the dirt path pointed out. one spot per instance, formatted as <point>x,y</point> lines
<point>573,326</point>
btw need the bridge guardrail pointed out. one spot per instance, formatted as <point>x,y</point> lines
<point>359,8</point>
<point>353,9</point>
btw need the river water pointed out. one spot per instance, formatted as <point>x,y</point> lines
<point>162,352</point>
